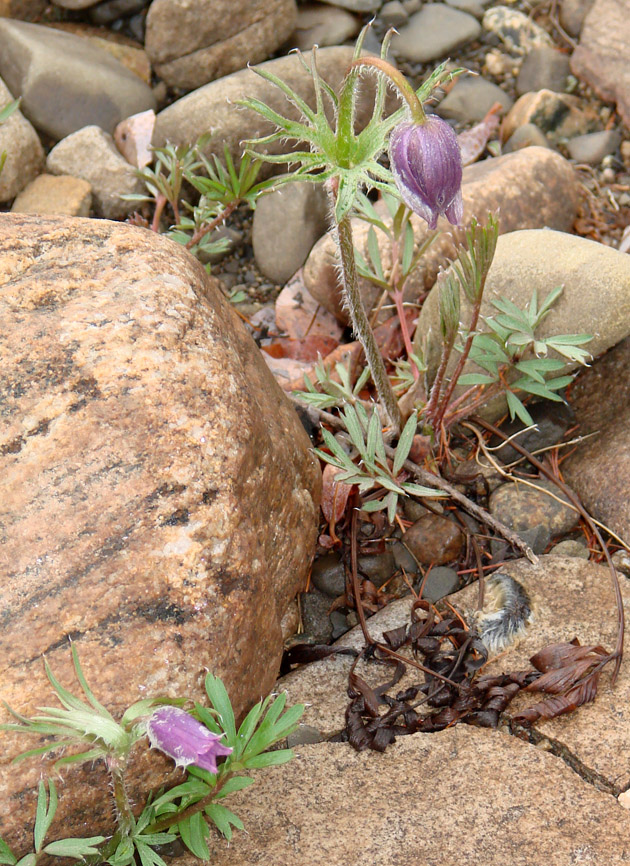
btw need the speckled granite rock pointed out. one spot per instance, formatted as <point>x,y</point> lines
<point>159,493</point>
<point>602,59</point>
<point>463,797</point>
<point>600,467</point>
<point>191,42</point>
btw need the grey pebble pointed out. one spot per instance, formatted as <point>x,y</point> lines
<point>329,575</point>
<point>434,32</point>
<point>441,581</point>
<point>304,735</point>
<point>527,135</point>
<point>571,547</point>
<point>594,146</point>
<point>314,607</point>
<point>544,68</point>
<point>470,100</point>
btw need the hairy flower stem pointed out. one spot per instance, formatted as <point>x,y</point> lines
<point>126,821</point>
<point>352,297</point>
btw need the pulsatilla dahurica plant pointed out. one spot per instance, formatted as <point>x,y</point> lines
<point>424,175</point>
<point>347,161</point>
<point>205,741</point>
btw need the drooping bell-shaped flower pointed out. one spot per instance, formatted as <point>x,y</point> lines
<point>184,739</point>
<point>427,167</point>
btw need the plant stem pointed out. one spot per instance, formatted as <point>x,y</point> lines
<point>126,821</point>
<point>160,201</point>
<point>199,806</point>
<point>202,232</point>
<point>439,415</point>
<point>432,405</point>
<point>352,297</point>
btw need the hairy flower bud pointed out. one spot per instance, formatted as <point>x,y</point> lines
<point>184,739</point>
<point>427,167</point>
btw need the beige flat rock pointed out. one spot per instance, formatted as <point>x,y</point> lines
<point>463,797</point>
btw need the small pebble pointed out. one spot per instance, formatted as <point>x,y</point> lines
<point>621,561</point>
<point>571,547</point>
<point>339,624</point>
<point>440,582</point>
<point>594,146</point>
<point>434,540</point>
<point>304,735</point>
<point>314,606</point>
<point>329,575</point>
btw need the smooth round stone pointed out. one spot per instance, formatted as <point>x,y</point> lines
<point>523,508</point>
<point>434,32</point>
<point>434,540</point>
<point>552,421</point>
<point>110,10</point>
<point>339,624</point>
<point>393,14</point>
<point>559,115</point>
<point>287,222</point>
<point>377,567</point>
<point>329,575</point>
<point>527,135</point>
<point>304,735</point>
<point>63,195</point>
<point>472,7</point>
<point>572,15</point>
<point>543,68</point>
<point>440,582</point>
<point>621,561</point>
<point>404,558</point>
<point>321,25</point>
<point>571,547</point>
<point>470,100</point>
<point>594,146</point>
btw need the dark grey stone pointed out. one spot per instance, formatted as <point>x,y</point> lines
<point>441,581</point>
<point>304,735</point>
<point>314,606</point>
<point>329,575</point>
<point>470,100</point>
<point>544,68</point>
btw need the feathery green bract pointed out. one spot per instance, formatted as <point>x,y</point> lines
<point>335,150</point>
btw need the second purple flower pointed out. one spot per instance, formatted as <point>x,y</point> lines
<point>184,739</point>
<point>426,164</point>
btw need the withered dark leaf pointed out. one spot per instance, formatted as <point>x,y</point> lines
<point>303,653</point>
<point>557,655</point>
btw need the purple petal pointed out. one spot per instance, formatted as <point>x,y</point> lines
<point>184,739</point>
<point>426,164</point>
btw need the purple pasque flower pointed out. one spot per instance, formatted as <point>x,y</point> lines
<point>427,167</point>
<point>184,739</point>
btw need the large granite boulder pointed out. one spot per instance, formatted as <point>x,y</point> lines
<point>159,498</point>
